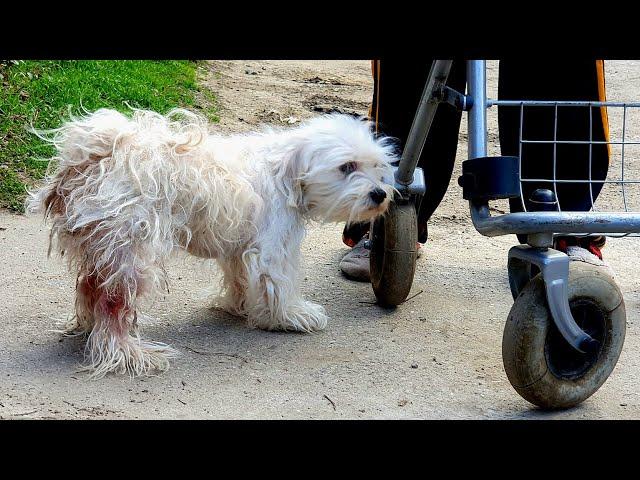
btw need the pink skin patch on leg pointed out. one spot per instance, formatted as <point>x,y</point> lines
<point>114,312</point>
<point>109,308</point>
<point>87,288</point>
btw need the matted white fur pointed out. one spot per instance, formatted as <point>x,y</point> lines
<point>125,192</point>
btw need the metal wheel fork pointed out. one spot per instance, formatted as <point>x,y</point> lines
<point>554,266</point>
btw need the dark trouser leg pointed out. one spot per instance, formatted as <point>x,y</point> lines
<point>397,91</point>
<point>555,80</point>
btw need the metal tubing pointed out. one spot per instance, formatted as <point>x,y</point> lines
<point>553,222</point>
<point>422,121</point>
<point>581,142</point>
<point>561,103</point>
<point>477,116</point>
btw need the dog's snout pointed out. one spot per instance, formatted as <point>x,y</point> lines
<point>378,195</point>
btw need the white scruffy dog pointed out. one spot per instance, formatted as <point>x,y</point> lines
<point>128,191</point>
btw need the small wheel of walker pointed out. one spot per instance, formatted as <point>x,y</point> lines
<point>393,253</point>
<point>543,368</point>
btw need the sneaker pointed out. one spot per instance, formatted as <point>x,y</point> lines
<point>584,249</point>
<point>355,264</point>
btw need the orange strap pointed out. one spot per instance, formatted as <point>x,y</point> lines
<point>602,96</point>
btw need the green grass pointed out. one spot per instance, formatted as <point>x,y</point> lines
<point>40,93</point>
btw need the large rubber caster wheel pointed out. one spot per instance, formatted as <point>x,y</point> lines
<point>543,368</point>
<point>393,253</point>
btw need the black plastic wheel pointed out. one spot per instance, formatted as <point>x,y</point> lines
<point>542,367</point>
<point>393,253</point>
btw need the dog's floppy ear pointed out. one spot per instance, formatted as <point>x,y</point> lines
<point>288,175</point>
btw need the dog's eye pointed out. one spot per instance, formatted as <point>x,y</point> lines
<point>348,167</point>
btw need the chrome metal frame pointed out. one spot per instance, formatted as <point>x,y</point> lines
<point>538,226</point>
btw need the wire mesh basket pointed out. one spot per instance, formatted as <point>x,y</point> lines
<point>582,151</point>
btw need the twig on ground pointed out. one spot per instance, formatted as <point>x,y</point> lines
<point>223,354</point>
<point>331,402</point>
<point>25,413</point>
<point>196,351</point>
<point>413,296</point>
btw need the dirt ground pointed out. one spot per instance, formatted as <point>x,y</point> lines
<point>437,356</point>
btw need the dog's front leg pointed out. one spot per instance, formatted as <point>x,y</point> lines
<point>234,286</point>
<point>273,297</point>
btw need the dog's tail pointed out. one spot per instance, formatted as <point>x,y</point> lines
<point>111,187</point>
<point>92,146</point>
<point>80,143</point>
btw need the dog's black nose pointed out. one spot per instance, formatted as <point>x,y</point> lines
<point>378,195</point>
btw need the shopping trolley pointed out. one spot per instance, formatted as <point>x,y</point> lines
<point>565,331</point>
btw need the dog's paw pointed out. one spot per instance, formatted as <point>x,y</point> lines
<point>129,355</point>
<point>311,318</point>
<point>303,317</point>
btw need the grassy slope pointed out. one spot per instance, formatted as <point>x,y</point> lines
<point>40,93</point>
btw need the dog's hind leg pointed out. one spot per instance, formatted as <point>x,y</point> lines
<point>82,321</point>
<point>117,268</point>
<point>108,313</point>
